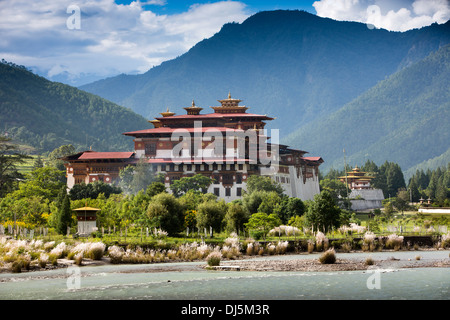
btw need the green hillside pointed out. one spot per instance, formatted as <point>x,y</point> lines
<point>433,163</point>
<point>404,118</point>
<point>45,114</point>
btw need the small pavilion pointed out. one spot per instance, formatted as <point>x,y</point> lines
<point>357,179</point>
<point>87,220</point>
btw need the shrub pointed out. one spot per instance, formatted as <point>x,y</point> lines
<point>394,241</point>
<point>213,259</point>
<point>368,241</point>
<point>328,257</point>
<point>43,260</point>
<point>321,241</point>
<point>346,247</point>
<point>310,245</point>
<point>79,258</point>
<point>445,240</point>
<point>115,253</point>
<point>369,261</point>
<point>95,251</point>
<point>61,250</point>
<point>16,266</point>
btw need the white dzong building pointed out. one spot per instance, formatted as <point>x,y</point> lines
<point>227,145</point>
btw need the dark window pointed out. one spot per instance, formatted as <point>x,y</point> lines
<point>227,192</point>
<point>239,192</point>
<point>150,149</point>
<point>238,179</point>
<point>216,192</point>
<point>227,179</point>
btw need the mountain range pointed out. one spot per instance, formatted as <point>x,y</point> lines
<point>302,69</point>
<point>331,85</point>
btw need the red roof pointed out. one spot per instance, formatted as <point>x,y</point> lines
<point>216,115</point>
<point>90,155</point>
<point>312,158</point>
<point>180,130</point>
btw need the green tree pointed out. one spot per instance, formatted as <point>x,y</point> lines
<point>10,158</point>
<point>198,182</point>
<point>338,190</point>
<point>211,214</point>
<point>38,163</point>
<point>323,213</point>
<point>132,179</point>
<point>263,183</point>
<point>235,217</point>
<point>413,190</point>
<point>164,211</point>
<point>253,200</point>
<point>45,182</point>
<point>269,202</point>
<point>262,222</point>
<point>394,179</point>
<point>288,208</point>
<point>191,199</point>
<point>126,179</point>
<point>155,188</point>
<point>64,215</point>
<point>441,191</point>
<point>56,154</point>
<point>93,190</point>
<point>401,201</point>
<point>143,176</point>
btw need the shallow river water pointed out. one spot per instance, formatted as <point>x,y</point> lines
<point>187,281</point>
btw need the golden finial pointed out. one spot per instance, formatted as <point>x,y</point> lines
<point>193,103</point>
<point>229,95</point>
<point>167,113</point>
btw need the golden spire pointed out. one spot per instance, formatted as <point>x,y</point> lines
<point>229,95</point>
<point>167,113</point>
<point>193,109</point>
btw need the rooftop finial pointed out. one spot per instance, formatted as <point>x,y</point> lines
<point>229,95</point>
<point>193,103</point>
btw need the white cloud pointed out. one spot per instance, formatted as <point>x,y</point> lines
<point>386,15</point>
<point>112,38</point>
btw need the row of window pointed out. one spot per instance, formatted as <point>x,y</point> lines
<point>228,192</point>
<point>282,179</point>
<point>206,167</point>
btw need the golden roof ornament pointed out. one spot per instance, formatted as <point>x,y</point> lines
<point>167,113</point>
<point>193,109</point>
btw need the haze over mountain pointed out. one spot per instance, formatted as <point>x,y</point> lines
<point>404,118</point>
<point>45,115</point>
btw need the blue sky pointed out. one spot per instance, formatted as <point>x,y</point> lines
<point>79,41</point>
<point>179,6</point>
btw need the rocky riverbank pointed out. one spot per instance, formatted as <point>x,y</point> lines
<point>348,264</point>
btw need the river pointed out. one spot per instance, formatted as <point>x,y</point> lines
<point>188,281</point>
